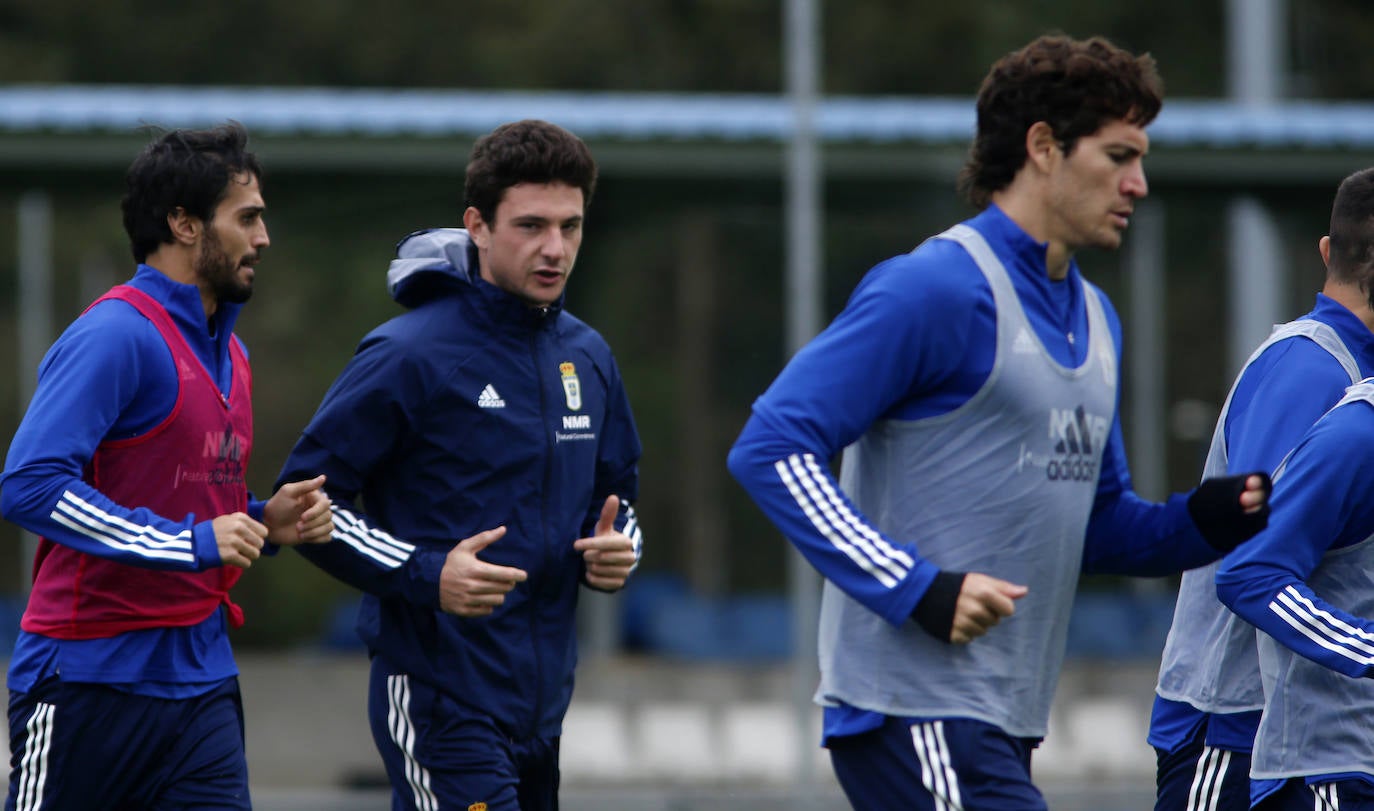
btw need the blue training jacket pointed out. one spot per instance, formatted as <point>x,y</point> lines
<point>468,412</point>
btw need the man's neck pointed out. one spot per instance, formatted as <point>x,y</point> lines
<point>1029,214</point>
<point>173,265</point>
<point>1352,298</point>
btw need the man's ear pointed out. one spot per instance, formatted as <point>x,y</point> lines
<point>1324,248</point>
<point>477,228</point>
<point>1042,148</point>
<point>185,228</point>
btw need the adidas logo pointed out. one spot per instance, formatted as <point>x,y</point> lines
<point>1023,345</point>
<point>490,399</point>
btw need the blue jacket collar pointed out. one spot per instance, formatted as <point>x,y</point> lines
<point>1352,330</point>
<point>1019,251</point>
<point>183,303</point>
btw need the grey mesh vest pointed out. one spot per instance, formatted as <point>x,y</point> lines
<point>1317,720</point>
<point>1209,658</point>
<point>1003,486</point>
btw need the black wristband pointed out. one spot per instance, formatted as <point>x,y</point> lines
<point>1216,510</point>
<point>935,611</point>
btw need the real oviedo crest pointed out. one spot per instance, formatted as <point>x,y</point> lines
<point>572,388</point>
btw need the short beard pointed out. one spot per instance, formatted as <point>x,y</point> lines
<point>220,271</point>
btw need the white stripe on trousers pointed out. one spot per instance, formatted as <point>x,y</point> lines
<point>937,772</point>
<point>1205,793</point>
<point>1326,798</point>
<point>33,769</point>
<point>403,735</point>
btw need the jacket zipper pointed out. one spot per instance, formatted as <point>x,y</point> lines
<point>543,314</point>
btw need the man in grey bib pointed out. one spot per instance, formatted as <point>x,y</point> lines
<point>1209,697</point>
<point>973,385</point>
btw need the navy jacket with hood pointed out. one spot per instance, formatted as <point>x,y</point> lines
<point>470,411</point>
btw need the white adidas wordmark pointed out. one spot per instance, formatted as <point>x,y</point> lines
<point>490,399</point>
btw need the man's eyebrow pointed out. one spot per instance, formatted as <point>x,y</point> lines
<point>543,218</point>
<point>1127,145</point>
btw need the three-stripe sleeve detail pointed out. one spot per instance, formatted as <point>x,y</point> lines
<point>811,488</point>
<point>33,766</point>
<point>384,549</point>
<point>1324,629</point>
<point>403,735</point>
<point>937,770</point>
<point>632,531</point>
<point>84,518</point>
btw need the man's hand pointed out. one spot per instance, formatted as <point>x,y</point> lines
<point>239,539</point>
<point>983,602</point>
<point>1256,496</point>
<point>299,513</point>
<point>470,587</point>
<point>1229,510</point>
<point>608,554</point>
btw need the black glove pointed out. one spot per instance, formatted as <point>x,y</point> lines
<point>935,611</point>
<point>1215,508</point>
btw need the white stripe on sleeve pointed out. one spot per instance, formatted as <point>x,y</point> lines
<point>387,551</point>
<point>833,519</point>
<point>631,531</point>
<point>1321,627</point>
<point>84,518</point>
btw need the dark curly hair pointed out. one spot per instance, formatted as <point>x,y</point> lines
<point>1074,86</point>
<point>186,169</point>
<point>528,151</point>
<point>1351,256</point>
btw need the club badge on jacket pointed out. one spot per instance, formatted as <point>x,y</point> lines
<point>572,388</point>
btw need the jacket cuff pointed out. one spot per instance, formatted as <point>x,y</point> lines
<point>934,612</point>
<point>422,571</point>
<point>204,547</point>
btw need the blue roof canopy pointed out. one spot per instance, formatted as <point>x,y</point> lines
<point>57,111</point>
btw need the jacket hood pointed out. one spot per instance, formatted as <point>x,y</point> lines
<point>428,264</point>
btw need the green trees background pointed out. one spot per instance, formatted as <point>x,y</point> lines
<point>683,274</point>
<point>871,46</point>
